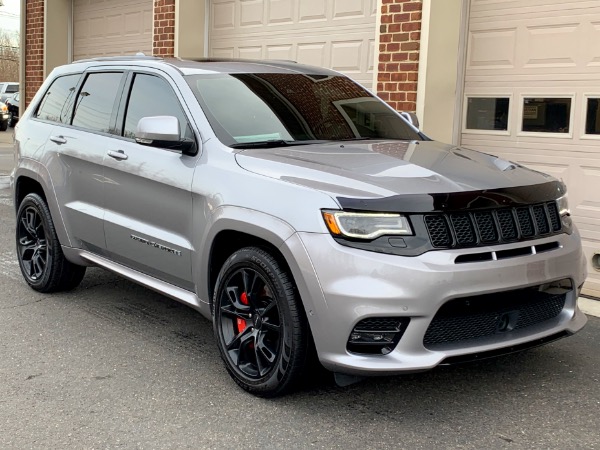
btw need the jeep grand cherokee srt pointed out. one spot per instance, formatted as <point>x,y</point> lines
<point>290,206</point>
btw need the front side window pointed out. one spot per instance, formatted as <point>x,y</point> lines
<point>257,108</point>
<point>55,105</point>
<point>592,118</point>
<point>95,102</point>
<point>487,113</point>
<point>152,96</point>
<point>546,115</point>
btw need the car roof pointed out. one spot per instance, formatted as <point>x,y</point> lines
<point>209,65</point>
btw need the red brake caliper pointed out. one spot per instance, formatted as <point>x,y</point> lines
<point>241,323</point>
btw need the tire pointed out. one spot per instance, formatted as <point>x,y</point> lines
<point>12,121</point>
<point>41,259</point>
<point>259,323</point>
<point>4,125</point>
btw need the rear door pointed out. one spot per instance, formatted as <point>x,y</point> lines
<point>76,149</point>
<point>148,201</point>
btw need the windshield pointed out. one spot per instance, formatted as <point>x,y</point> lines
<point>12,88</point>
<point>281,108</point>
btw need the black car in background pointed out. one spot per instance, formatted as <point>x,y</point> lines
<point>4,117</point>
<point>13,109</point>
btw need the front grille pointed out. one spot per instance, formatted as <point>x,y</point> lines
<point>438,231</point>
<point>473,318</point>
<point>499,225</point>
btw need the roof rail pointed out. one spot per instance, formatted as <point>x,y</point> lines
<point>259,61</point>
<point>136,57</point>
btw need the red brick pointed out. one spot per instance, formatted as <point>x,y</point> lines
<point>400,57</point>
<point>400,37</point>
<point>411,26</point>
<point>408,46</point>
<point>412,6</point>
<point>399,76</point>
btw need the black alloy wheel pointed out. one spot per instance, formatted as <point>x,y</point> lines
<point>32,244</point>
<point>40,255</point>
<point>259,323</point>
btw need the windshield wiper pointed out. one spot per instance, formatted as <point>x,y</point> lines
<point>272,143</point>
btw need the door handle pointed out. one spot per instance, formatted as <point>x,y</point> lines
<point>117,154</point>
<point>58,139</point>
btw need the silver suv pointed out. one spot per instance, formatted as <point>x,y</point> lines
<point>297,211</point>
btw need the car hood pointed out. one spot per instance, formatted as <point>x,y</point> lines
<point>377,169</point>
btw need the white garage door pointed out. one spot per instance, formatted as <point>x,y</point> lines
<point>338,34</point>
<point>111,27</point>
<point>532,94</point>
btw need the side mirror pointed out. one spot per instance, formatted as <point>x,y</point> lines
<point>164,132</point>
<point>157,128</point>
<point>411,118</point>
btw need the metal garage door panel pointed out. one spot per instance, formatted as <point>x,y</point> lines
<point>542,48</point>
<point>338,34</point>
<point>111,27</point>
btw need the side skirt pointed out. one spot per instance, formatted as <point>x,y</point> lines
<point>176,293</point>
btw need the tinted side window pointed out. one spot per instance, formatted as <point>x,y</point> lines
<point>152,96</point>
<point>12,88</point>
<point>94,104</point>
<point>54,104</point>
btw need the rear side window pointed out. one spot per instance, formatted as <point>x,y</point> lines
<point>12,88</point>
<point>55,103</point>
<point>94,104</point>
<point>152,96</point>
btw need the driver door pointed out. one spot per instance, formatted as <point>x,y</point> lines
<point>148,215</point>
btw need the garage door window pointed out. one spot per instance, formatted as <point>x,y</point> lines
<point>592,119</point>
<point>546,115</point>
<point>487,113</point>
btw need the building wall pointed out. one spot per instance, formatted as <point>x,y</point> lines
<point>398,60</point>
<point>34,47</point>
<point>399,45</point>
<point>164,28</point>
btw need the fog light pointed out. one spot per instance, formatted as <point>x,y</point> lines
<point>377,335</point>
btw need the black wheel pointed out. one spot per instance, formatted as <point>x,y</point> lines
<point>259,323</point>
<point>41,259</point>
<point>4,125</point>
<point>11,120</point>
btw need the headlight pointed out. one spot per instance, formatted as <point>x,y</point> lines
<point>365,225</point>
<point>563,205</point>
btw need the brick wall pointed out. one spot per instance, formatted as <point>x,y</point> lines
<point>399,40</point>
<point>164,28</point>
<point>34,48</point>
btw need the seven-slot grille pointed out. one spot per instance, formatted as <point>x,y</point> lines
<point>470,229</point>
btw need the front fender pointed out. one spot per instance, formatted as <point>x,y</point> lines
<point>235,218</point>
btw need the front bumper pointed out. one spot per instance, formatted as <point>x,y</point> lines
<point>341,286</point>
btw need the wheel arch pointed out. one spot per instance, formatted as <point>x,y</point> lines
<point>28,180</point>
<point>25,185</point>
<point>233,228</point>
